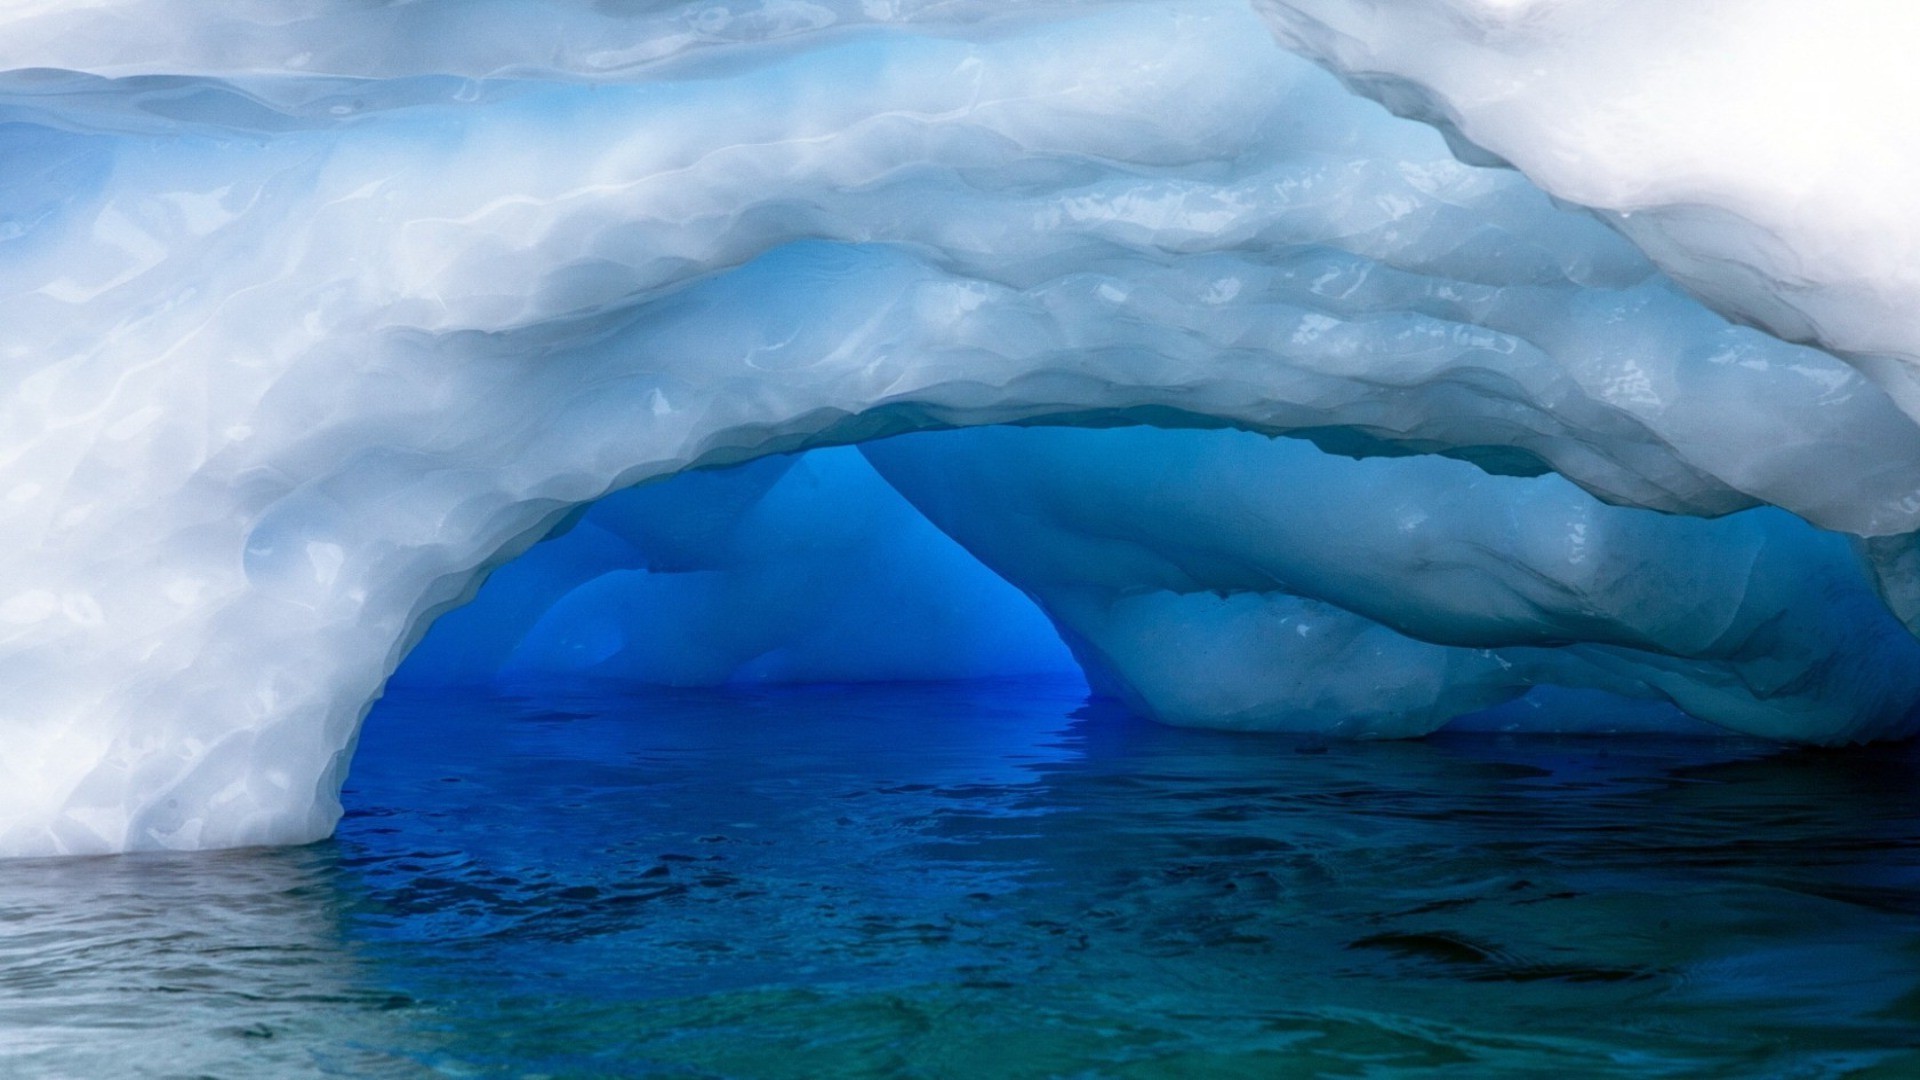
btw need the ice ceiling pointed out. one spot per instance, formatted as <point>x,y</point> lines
<point>1329,420</point>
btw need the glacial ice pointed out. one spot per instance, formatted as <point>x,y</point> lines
<point>1760,151</point>
<point>1227,579</point>
<point>314,321</point>
<point>795,568</point>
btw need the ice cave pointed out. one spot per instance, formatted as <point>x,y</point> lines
<point>1347,371</point>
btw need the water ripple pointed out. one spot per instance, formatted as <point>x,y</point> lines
<point>994,880</point>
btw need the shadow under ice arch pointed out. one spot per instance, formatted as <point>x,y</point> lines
<point>284,379</point>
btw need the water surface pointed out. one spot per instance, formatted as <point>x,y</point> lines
<point>995,880</point>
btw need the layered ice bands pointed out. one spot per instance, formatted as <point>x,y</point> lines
<point>1225,579</point>
<point>308,323</point>
<point>1763,152</point>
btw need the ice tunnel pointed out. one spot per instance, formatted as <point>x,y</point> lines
<point>922,340</point>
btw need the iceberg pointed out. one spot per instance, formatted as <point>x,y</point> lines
<point>315,321</point>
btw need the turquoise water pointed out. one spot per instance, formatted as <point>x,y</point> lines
<point>995,880</point>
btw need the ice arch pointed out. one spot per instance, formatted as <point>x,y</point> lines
<point>302,337</point>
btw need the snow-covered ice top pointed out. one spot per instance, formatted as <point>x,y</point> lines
<point>1763,152</point>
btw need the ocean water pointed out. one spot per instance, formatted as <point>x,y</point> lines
<point>990,880</point>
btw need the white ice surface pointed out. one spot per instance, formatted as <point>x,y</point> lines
<point>311,320</point>
<point>1763,152</point>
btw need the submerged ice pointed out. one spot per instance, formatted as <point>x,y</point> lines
<point>313,322</point>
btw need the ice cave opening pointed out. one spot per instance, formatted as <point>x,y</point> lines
<point>1190,575</point>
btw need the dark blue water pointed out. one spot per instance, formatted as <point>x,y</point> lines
<point>995,881</point>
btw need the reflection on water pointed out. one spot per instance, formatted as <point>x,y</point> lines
<point>995,881</point>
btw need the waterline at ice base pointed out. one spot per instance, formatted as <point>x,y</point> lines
<point>1345,370</point>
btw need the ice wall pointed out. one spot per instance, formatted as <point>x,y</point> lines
<point>1760,151</point>
<point>311,320</point>
<point>796,568</point>
<point>1227,579</point>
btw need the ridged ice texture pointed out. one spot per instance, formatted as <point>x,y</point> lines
<point>1226,579</point>
<point>795,568</point>
<point>312,319</point>
<point>1762,151</point>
